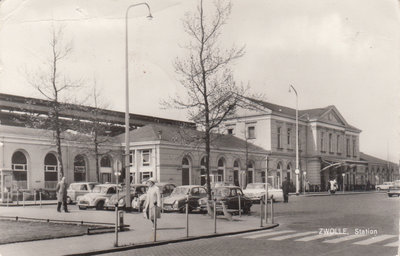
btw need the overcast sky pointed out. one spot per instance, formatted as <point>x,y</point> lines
<point>335,52</point>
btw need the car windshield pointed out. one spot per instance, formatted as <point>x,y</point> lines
<point>180,191</point>
<point>255,186</point>
<point>222,191</point>
<point>100,189</point>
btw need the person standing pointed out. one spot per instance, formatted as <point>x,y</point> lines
<point>61,190</point>
<point>285,190</point>
<point>153,201</point>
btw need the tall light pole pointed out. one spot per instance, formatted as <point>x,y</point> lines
<point>297,171</point>
<point>127,152</point>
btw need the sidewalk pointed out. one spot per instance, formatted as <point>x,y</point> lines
<point>326,193</point>
<point>170,228</point>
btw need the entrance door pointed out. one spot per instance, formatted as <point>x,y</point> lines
<point>185,176</point>
<point>236,177</point>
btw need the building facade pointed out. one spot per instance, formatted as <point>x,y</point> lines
<point>328,146</point>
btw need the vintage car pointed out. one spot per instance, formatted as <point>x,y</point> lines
<point>97,198</point>
<point>229,195</point>
<point>79,189</point>
<point>177,200</point>
<point>255,191</point>
<point>165,189</point>
<point>384,186</point>
<point>136,191</point>
<point>394,190</point>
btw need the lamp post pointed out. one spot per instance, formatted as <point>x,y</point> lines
<point>127,162</point>
<point>304,181</point>
<point>297,171</point>
<point>343,175</point>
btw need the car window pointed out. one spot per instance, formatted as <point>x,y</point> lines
<point>239,191</point>
<point>91,186</point>
<point>202,192</point>
<point>233,192</point>
<point>83,187</point>
<point>195,192</point>
<point>111,190</point>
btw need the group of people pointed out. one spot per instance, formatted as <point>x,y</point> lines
<point>152,205</point>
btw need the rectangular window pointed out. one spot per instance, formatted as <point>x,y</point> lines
<point>338,144</point>
<point>322,142</point>
<point>145,175</point>
<point>251,132</point>
<point>348,147</point>
<point>145,157</point>
<point>230,131</point>
<point>289,132</point>
<point>132,158</point>
<point>279,138</point>
<point>330,143</point>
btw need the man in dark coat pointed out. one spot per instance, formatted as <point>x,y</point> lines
<point>61,190</point>
<point>285,189</point>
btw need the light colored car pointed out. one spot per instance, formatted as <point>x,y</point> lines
<point>79,189</point>
<point>165,189</point>
<point>136,191</point>
<point>394,190</point>
<point>384,186</point>
<point>96,198</point>
<point>255,191</point>
<point>177,200</point>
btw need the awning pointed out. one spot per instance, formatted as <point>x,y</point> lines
<point>337,163</point>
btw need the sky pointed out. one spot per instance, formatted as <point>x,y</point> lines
<point>334,52</point>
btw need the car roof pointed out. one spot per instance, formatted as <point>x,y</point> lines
<point>164,184</point>
<point>189,186</point>
<point>227,187</point>
<point>86,182</point>
<point>106,185</point>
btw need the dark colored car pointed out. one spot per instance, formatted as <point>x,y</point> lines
<point>177,200</point>
<point>230,196</point>
<point>136,191</point>
<point>394,191</point>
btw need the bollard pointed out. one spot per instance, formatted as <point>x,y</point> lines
<point>17,196</point>
<point>266,208</point>
<point>272,210</point>
<point>240,207</point>
<point>34,196</point>
<point>40,198</point>
<point>23,199</point>
<point>215,216</point>
<point>261,211</point>
<point>8,198</point>
<point>162,203</point>
<point>187,215</point>
<point>116,226</point>
<point>155,222</point>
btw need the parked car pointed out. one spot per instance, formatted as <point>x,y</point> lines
<point>230,196</point>
<point>136,191</point>
<point>79,189</point>
<point>384,186</point>
<point>165,189</point>
<point>97,197</point>
<point>255,191</point>
<point>177,200</point>
<point>394,190</point>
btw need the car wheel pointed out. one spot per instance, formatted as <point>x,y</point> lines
<point>100,205</point>
<point>82,208</point>
<point>69,201</point>
<point>390,195</point>
<point>378,189</point>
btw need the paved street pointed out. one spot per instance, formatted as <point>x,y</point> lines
<point>299,231</point>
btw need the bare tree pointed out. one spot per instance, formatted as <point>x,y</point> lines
<point>205,73</point>
<point>50,81</point>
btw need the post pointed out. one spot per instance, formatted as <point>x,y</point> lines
<point>116,225</point>
<point>215,216</point>
<point>155,222</point>
<point>34,196</point>
<point>266,193</point>
<point>343,175</point>
<point>272,210</point>
<point>240,206</point>
<point>17,196</point>
<point>162,203</point>
<point>297,138</point>
<point>261,211</point>
<point>8,197</point>
<point>23,199</point>
<point>40,198</point>
<point>187,215</point>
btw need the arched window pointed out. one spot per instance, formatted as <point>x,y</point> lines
<point>79,168</point>
<point>203,175</point>
<point>289,172</point>
<point>278,178</point>
<point>50,171</point>
<point>20,166</point>
<point>220,171</point>
<point>186,171</point>
<point>250,172</point>
<point>105,161</point>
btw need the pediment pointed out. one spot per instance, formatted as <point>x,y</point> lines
<point>333,117</point>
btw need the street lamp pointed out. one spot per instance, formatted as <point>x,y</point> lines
<point>127,162</point>
<point>304,181</point>
<point>297,139</point>
<point>343,174</point>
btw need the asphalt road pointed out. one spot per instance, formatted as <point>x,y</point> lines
<point>301,221</point>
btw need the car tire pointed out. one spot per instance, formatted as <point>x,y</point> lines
<point>82,208</point>
<point>69,201</point>
<point>390,195</point>
<point>100,205</point>
<point>378,189</point>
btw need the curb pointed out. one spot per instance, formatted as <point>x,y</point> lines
<point>151,244</point>
<point>340,194</point>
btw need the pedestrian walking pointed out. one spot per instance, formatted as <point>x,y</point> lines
<point>153,201</point>
<point>285,189</point>
<point>333,186</point>
<point>61,190</point>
